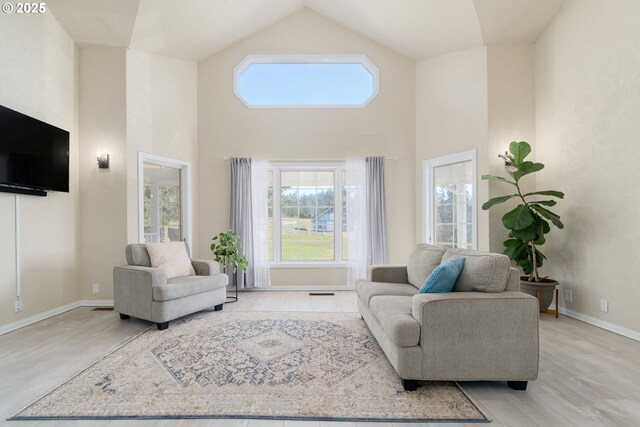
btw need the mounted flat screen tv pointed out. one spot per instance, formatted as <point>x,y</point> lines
<point>34,155</point>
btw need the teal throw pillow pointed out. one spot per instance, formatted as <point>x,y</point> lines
<point>444,277</point>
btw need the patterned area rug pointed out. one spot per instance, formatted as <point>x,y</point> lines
<point>301,366</point>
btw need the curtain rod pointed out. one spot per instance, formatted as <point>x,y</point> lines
<point>313,160</point>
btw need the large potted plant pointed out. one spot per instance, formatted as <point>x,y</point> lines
<point>226,250</point>
<point>528,222</point>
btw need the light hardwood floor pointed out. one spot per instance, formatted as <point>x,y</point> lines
<point>588,376</point>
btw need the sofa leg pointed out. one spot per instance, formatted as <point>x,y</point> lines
<point>124,316</point>
<point>517,385</point>
<point>218,307</point>
<point>163,325</point>
<point>409,385</point>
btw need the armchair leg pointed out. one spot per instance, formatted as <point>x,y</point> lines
<point>162,326</point>
<point>218,307</point>
<point>409,385</point>
<point>124,316</point>
<point>517,385</point>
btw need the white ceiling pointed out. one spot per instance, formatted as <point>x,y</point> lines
<point>107,22</point>
<point>197,29</point>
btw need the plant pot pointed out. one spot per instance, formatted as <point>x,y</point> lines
<point>546,288</point>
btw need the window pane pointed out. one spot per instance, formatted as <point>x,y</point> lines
<point>307,216</point>
<point>303,84</point>
<point>453,205</point>
<point>162,204</point>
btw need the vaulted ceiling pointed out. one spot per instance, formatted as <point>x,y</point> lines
<point>197,29</point>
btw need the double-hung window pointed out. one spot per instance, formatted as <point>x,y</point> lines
<point>307,218</point>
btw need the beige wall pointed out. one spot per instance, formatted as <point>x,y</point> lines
<point>161,120</point>
<point>511,106</point>
<point>37,78</point>
<point>587,127</point>
<point>451,117</point>
<point>130,102</point>
<point>386,127</point>
<point>103,203</point>
<point>482,99</point>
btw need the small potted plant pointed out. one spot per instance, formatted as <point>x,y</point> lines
<point>226,251</point>
<point>528,222</point>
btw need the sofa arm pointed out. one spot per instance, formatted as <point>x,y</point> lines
<point>133,289</point>
<point>477,335</point>
<point>133,275</point>
<point>204,267</point>
<point>388,273</point>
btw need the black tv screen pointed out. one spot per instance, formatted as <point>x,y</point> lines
<point>33,154</point>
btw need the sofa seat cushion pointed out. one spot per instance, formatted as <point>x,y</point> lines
<point>482,272</point>
<point>423,260</point>
<point>394,314</point>
<point>367,290</point>
<point>188,285</point>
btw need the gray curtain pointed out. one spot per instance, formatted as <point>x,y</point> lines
<point>241,221</point>
<point>376,211</point>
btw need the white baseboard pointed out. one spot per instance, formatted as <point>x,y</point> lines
<point>625,332</point>
<point>96,303</point>
<point>4,329</point>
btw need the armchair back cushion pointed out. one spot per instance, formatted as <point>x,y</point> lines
<point>482,272</point>
<point>423,260</point>
<point>172,258</point>
<point>137,255</point>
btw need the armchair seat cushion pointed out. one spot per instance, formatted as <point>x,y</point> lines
<point>367,290</point>
<point>394,314</point>
<point>180,287</point>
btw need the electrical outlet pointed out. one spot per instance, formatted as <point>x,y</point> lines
<point>604,305</point>
<point>19,306</point>
<point>568,295</point>
<point>95,288</point>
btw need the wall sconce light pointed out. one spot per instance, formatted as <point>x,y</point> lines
<point>103,161</point>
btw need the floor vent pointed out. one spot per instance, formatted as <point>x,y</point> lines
<point>102,309</point>
<point>322,294</point>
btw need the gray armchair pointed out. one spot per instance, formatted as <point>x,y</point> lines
<point>144,292</point>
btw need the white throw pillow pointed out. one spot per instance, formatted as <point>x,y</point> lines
<point>172,258</point>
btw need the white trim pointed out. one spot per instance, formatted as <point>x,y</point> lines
<point>185,183</point>
<point>10,327</point>
<point>309,59</point>
<point>427,202</point>
<point>607,326</point>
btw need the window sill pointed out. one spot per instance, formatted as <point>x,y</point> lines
<point>306,265</point>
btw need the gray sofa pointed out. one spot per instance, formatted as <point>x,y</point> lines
<point>144,292</point>
<point>484,330</point>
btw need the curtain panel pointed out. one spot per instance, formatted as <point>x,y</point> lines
<point>366,216</point>
<point>249,192</point>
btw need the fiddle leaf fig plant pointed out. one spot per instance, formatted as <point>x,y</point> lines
<point>529,221</point>
<point>226,249</point>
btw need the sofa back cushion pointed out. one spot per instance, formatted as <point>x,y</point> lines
<point>172,258</point>
<point>482,272</point>
<point>137,255</point>
<point>424,259</point>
